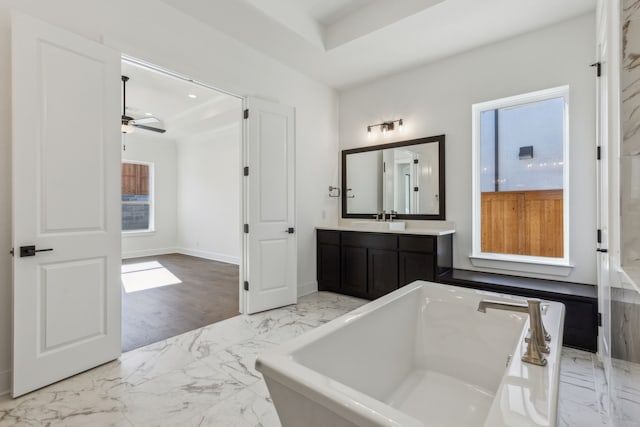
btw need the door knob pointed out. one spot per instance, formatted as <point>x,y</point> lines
<point>31,250</point>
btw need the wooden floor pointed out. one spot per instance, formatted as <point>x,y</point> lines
<point>208,293</point>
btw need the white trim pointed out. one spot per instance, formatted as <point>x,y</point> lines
<point>537,264</point>
<point>525,264</point>
<point>230,259</point>
<point>155,68</point>
<point>244,211</point>
<point>138,233</point>
<point>307,289</point>
<point>5,382</point>
<point>148,252</point>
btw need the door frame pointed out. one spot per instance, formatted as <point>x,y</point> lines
<point>244,251</point>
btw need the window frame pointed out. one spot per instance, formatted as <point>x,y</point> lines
<point>151,202</point>
<point>528,263</point>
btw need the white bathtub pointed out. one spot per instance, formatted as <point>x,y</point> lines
<point>420,356</point>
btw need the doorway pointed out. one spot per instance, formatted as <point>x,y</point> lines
<point>181,215</point>
<point>66,151</point>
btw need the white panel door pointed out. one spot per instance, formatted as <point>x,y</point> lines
<point>270,267</point>
<point>66,191</point>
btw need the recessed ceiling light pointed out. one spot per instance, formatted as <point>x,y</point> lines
<point>192,96</point>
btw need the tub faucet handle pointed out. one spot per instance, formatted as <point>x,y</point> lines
<point>537,326</point>
<point>532,353</point>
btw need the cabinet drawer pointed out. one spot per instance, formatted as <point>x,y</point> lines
<point>329,237</point>
<point>426,244</point>
<point>370,240</point>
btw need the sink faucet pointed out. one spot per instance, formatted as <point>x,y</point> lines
<point>393,215</point>
<point>537,338</point>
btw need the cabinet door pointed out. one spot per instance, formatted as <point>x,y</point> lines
<point>328,267</point>
<point>415,266</point>
<point>383,272</point>
<point>354,271</point>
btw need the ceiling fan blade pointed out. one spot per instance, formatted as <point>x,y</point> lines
<point>149,128</point>
<point>145,120</point>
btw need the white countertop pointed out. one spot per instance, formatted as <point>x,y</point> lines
<point>383,227</point>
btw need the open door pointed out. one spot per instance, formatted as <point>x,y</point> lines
<point>270,267</point>
<point>66,209</point>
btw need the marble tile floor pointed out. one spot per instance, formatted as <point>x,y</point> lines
<point>206,377</point>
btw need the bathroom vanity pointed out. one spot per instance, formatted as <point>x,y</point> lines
<point>369,259</point>
<point>369,264</point>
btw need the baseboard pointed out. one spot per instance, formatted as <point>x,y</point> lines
<point>148,252</point>
<point>209,255</point>
<point>5,382</point>
<point>307,289</point>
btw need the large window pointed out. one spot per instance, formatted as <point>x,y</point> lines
<point>137,196</point>
<point>520,187</point>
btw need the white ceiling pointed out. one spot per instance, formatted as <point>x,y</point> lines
<point>346,42</point>
<point>151,93</point>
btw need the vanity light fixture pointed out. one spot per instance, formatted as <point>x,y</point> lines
<point>386,127</point>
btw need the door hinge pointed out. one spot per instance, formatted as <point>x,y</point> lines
<point>415,161</point>
<point>246,228</point>
<point>599,236</point>
<point>246,113</point>
<point>246,171</point>
<point>598,153</point>
<point>11,251</point>
<point>598,66</point>
<point>246,285</point>
<point>415,188</point>
<point>599,318</point>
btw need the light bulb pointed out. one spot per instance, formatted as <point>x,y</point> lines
<point>369,132</point>
<point>400,125</point>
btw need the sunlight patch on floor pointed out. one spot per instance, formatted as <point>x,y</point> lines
<point>146,275</point>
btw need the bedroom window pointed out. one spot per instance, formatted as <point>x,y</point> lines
<point>137,196</point>
<point>520,178</point>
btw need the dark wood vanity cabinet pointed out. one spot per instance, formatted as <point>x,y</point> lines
<point>369,265</point>
<point>328,260</point>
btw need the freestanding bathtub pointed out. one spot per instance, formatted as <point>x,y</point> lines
<point>422,356</point>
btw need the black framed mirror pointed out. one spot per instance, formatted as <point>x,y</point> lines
<point>406,177</point>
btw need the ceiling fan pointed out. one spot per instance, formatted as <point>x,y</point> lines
<point>129,123</point>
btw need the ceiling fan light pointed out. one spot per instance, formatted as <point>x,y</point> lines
<point>127,128</point>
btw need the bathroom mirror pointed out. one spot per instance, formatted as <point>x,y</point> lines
<point>406,177</point>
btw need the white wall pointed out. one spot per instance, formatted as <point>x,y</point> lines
<point>209,193</point>
<point>154,32</point>
<point>161,151</point>
<point>436,99</point>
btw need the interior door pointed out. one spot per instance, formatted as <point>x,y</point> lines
<point>270,267</point>
<point>66,209</point>
<point>602,195</point>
